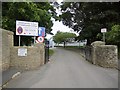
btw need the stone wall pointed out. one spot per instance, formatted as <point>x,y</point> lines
<point>106,56</point>
<point>0,50</point>
<point>33,59</point>
<point>94,48</point>
<point>7,43</point>
<point>88,53</point>
<point>41,47</point>
<point>9,57</point>
<point>102,55</point>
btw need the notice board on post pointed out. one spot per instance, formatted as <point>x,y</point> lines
<point>26,28</point>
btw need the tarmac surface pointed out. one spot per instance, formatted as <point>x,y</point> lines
<point>67,69</point>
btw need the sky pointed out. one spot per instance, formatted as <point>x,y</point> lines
<point>58,26</point>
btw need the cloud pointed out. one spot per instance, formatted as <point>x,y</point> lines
<point>58,26</point>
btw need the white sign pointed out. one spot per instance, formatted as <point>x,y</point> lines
<point>40,39</point>
<point>22,52</point>
<point>26,28</point>
<point>103,30</point>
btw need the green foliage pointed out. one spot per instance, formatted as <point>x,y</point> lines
<point>40,12</point>
<point>63,37</point>
<point>88,18</point>
<point>113,36</point>
<point>26,11</point>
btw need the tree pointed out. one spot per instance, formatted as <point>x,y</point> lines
<point>113,36</point>
<point>40,12</point>
<point>64,37</point>
<point>88,18</point>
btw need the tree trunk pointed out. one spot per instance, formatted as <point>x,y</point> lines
<point>88,42</point>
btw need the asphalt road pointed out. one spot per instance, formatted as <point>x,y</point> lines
<point>67,69</point>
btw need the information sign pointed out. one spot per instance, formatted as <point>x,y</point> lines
<point>41,31</point>
<point>103,30</point>
<point>26,28</point>
<point>22,52</point>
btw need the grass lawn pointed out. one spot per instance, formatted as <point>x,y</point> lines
<point>51,52</point>
<point>72,46</point>
<point>119,53</point>
<point>75,46</point>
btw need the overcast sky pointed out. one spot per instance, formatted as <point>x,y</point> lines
<point>58,26</point>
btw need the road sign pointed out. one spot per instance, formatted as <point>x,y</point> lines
<point>40,39</point>
<point>41,31</point>
<point>103,30</point>
<point>26,28</point>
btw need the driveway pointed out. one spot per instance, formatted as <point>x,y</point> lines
<point>67,69</point>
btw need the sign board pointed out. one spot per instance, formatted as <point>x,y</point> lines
<point>22,52</point>
<point>103,30</point>
<point>40,39</point>
<point>41,31</point>
<point>26,28</point>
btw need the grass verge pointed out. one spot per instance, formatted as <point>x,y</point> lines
<point>74,47</point>
<point>51,52</point>
<point>119,53</point>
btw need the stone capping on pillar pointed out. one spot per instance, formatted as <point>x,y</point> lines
<point>97,43</point>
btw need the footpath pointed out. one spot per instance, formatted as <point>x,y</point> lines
<point>8,75</point>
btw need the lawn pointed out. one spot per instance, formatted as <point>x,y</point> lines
<point>51,52</point>
<point>119,53</point>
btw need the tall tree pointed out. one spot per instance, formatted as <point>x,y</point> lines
<point>40,12</point>
<point>89,17</point>
<point>113,36</point>
<point>64,37</point>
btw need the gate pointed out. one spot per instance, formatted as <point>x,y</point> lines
<point>46,51</point>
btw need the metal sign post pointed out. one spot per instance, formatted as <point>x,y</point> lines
<point>19,40</point>
<point>103,30</point>
<point>34,39</point>
<point>103,36</point>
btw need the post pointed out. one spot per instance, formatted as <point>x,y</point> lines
<point>34,39</point>
<point>103,36</point>
<point>19,40</point>
<point>103,30</point>
<point>79,44</point>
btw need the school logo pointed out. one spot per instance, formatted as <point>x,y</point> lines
<point>19,30</point>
